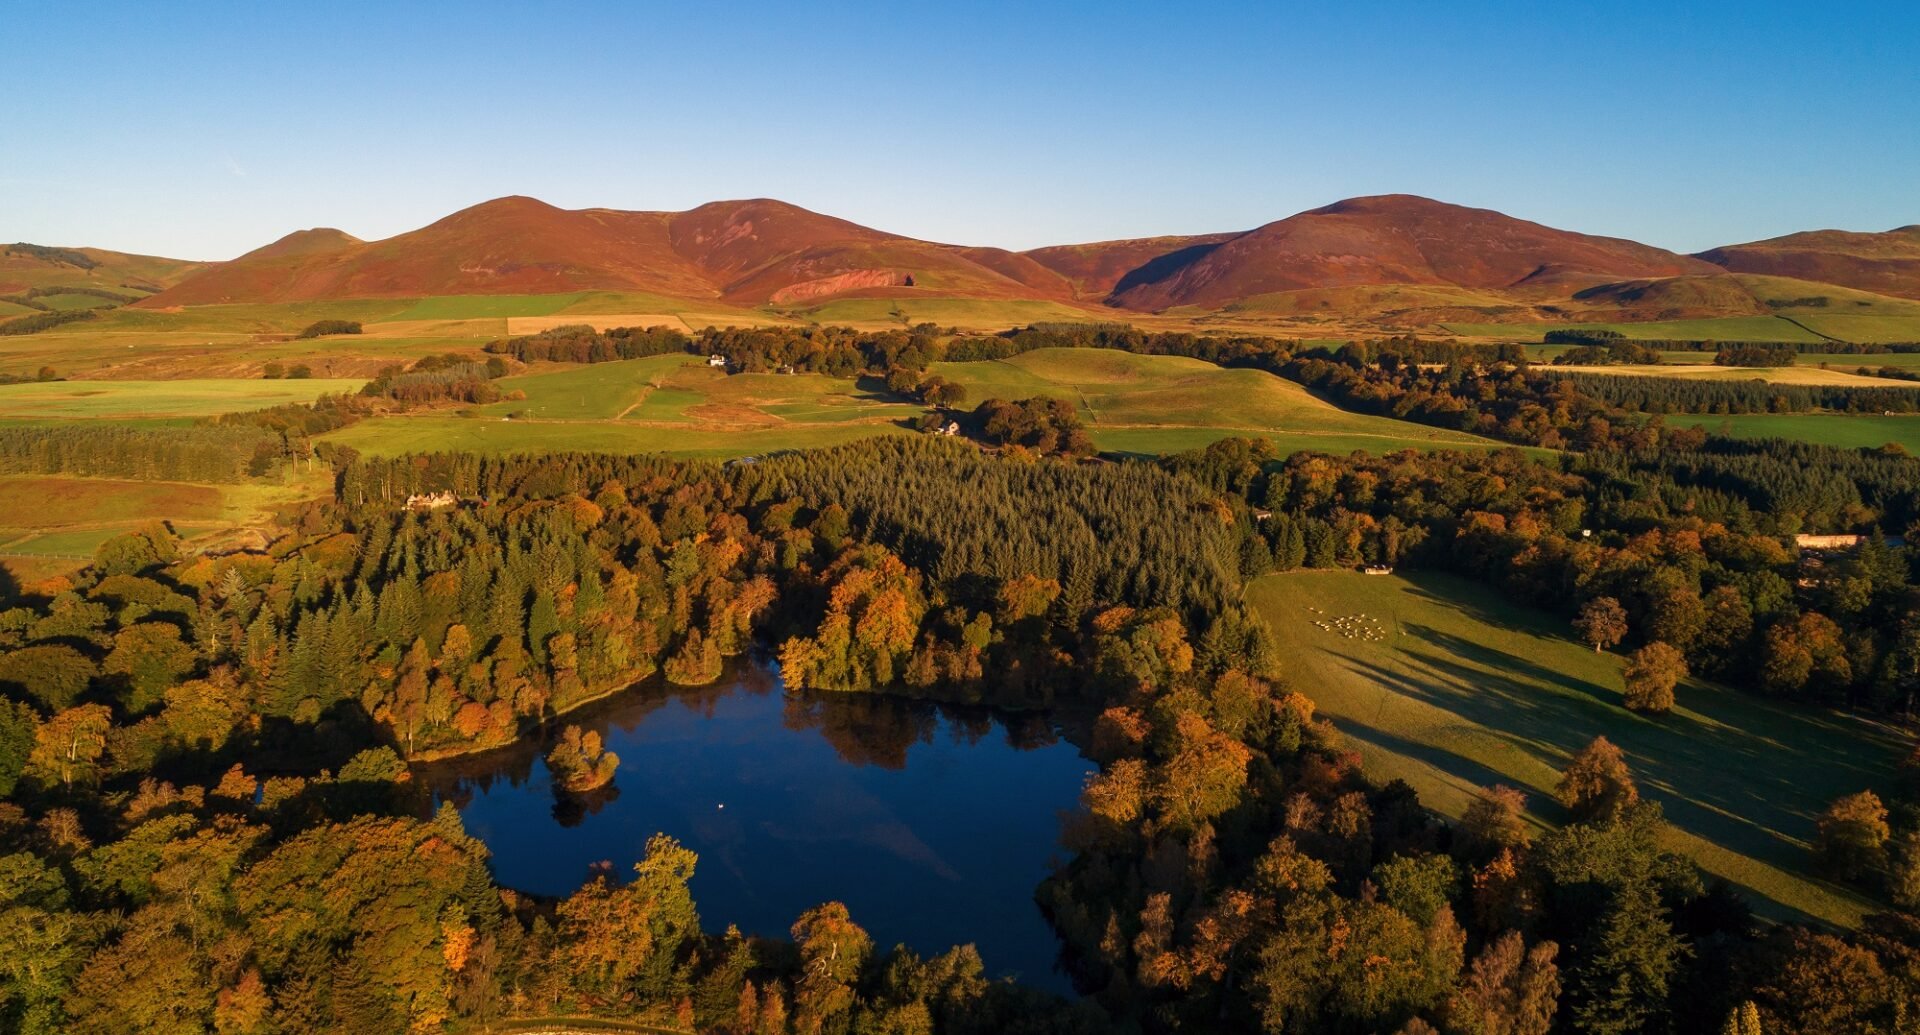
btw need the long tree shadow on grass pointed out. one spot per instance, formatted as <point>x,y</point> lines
<point>1745,774</point>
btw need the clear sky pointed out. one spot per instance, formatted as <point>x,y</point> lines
<point>202,130</point>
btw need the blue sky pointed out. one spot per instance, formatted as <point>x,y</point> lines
<point>204,130</point>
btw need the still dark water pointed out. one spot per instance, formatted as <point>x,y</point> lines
<point>933,824</point>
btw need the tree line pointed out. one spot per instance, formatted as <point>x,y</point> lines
<point>1638,394</point>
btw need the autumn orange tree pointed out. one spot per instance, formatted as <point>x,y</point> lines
<point>1596,785</point>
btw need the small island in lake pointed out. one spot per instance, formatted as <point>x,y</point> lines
<point>580,762</point>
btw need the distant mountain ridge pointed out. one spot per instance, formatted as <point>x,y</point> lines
<point>766,252</point>
<point>742,252</point>
<point>1395,239</point>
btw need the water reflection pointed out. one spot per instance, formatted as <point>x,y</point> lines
<point>933,823</point>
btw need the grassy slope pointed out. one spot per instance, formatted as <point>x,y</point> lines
<point>1466,690</point>
<point>1726,328</point>
<point>1160,403</point>
<point>1849,430</point>
<point>94,400</point>
<point>1139,404</point>
<point>50,523</point>
<point>1797,374</point>
<point>671,404</point>
<point>983,314</point>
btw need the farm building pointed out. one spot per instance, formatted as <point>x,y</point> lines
<point>1377,569</point>
<point>1828,542</point>
<point>716,360</point>
<point>431,501</point>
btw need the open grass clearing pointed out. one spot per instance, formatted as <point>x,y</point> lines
<point>977,314</point>
<point>1721,328</point>
<point>1847,430</point>
<point>1797,374</point>
<point>676,403</point>
<point>1138,397</point>
<point>1453,689</point>
<point>1869,328</point>
<point>106,400</point>
<point>472,307</point>
<point>36,501</point>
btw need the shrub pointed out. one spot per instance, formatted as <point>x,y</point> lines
<point>321,328</point>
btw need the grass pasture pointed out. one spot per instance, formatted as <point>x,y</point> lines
<point>1846,430</point>
<point>1460,689</point>
<point>479,307</point>
<point>1153,404</point>
<point>978,314</point>
<point>51,524</point>
<point>1798,374</point>
<point>672,404</point>
<point>677,404</point>
<point>119,400</point>
<point>1867,328</point>
<point>36,501</point>
<point>1722,328</point>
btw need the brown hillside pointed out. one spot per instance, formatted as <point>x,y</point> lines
<point>746,252</point>
<point>27,266</point>
<point>320,239</point>
<point>1096,269</point>
<point>1884,263</point>
<point>1393,239</point>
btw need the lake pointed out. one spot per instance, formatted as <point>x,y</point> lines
<point>934,824</point>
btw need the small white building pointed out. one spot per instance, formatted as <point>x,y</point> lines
<point>1377,569</point>
<point>431,501</point>
<point>1828,542</point>
<point>716,360</point>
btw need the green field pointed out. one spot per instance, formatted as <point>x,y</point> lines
<point>75,300</point>
<point>1842,361</point>
<point>1153,404</point>
<point>1462,689</point>
<point>598,391</point>
<point>474,307</point>
<point>1851,430</point>
<point>983,314</point>
<point>50,524</point>
<point>96,400</point>
<point>1699,371</point>
<point>677,404</point>
<point>1868,327</point>
<point>1724,328</point>
<point>671,404</point>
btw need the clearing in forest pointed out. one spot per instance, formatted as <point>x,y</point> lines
<point>1157,404</point>
<point>1443,683</point>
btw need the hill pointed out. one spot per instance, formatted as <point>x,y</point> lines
<point>1395,239</point>
<point>1885,263</point>
<point>1097,269</point>
<point>1395,262</point>
<point>27,267</point>
<point>742,252</point>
